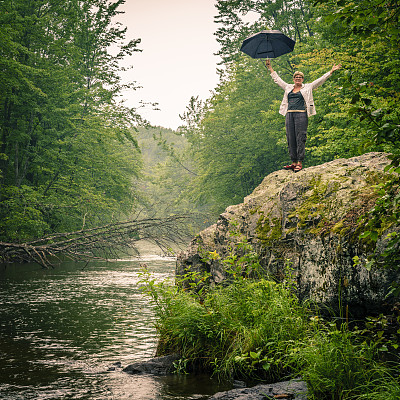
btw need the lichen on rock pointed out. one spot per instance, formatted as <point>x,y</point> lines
<point>310,222</point>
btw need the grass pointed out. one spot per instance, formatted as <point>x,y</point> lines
<point>336,367</point>
<point>256,329</point>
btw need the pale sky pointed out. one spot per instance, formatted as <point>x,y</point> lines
<point>177,60</point>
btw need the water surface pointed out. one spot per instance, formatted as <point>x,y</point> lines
<point>63,330</point>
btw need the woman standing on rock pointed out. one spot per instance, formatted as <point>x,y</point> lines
<point>297,105</point>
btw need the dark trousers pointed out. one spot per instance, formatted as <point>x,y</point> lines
<point>296,134</point>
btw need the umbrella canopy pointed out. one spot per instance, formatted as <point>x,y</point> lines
<point>267,44</point>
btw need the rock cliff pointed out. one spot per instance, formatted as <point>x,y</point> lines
<point>307,223</point>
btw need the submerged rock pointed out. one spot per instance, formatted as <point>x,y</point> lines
<point>117,365</point>
<point>155,366</point>
<point>306,223</point>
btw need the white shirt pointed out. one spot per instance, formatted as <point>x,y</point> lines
<point>306,91</point>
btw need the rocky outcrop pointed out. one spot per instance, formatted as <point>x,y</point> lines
<point>306,222</point>
<point>294,389</point>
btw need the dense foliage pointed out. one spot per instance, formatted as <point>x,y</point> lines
<point>165,171</point>
<point>67,153</point>
<point>237,136</point>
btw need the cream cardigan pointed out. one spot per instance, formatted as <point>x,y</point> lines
<point>306,91</point>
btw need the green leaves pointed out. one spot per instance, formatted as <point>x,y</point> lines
<point>64,133</point>
<point>372,235</point>
<point>294,19</point>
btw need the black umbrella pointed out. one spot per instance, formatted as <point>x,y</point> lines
<point>267,44</point>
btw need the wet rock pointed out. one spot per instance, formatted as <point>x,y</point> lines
<point>115,366</point>
<point>155,366</point>
<point>288,390</point>
<point>239,384</point>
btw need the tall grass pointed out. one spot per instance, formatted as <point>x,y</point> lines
<point>256,329</point>
<point>385,387</point>
<point>336,365</point>
<point>246,329</point>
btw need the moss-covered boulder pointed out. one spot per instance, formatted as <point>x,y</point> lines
<point>308,223</point>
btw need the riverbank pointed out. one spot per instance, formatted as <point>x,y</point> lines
<point>258,330</point>
<point>295,389</point>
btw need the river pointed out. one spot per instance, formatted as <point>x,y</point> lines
<point>62,331</point>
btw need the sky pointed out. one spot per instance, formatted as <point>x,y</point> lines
<point>177,60</point>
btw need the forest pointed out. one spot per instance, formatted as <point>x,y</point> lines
<point>70,155</point>
<point>74,158</point>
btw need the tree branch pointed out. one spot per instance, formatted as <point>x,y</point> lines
<point>100,243</point>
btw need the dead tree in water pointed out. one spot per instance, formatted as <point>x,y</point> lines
<point>100,243</point>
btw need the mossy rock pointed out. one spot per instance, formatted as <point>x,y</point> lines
<point>310,221</point>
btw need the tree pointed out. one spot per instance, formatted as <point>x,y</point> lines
<point>371,32</point>
<point>67,155</point>
<point>239,138</point>
<point>101,242</point>
<point>167,171</point>
<point>368,42</point>
<point>291,17</point>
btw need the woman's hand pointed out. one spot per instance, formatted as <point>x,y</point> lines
<point>336,67</point>
<point>268,65</point>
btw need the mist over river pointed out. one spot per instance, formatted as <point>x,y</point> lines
<point>62,331</point>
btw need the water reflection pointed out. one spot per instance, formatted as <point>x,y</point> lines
<point>60,330</point>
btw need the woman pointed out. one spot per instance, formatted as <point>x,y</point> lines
<point>297,105</point>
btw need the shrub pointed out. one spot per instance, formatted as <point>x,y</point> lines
<point>337,365</point>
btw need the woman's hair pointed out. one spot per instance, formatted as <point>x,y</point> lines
<point>298,73</point>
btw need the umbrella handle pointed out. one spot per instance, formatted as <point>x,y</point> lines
<point>264,62</point>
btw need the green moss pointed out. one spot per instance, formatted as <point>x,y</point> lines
<point>268,230</point>
<point>318,212</point>
<point>254,210</point>
<point>314,211</point>
<point>291,230</point>
<point>338,227</point>
<point>376,177</point>
<point>344,231</point>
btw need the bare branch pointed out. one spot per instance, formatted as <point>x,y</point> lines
<point>99,243</point>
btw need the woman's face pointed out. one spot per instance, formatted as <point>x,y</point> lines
<point>298,79</point>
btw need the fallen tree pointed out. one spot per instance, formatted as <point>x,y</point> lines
<point>99,243</point>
